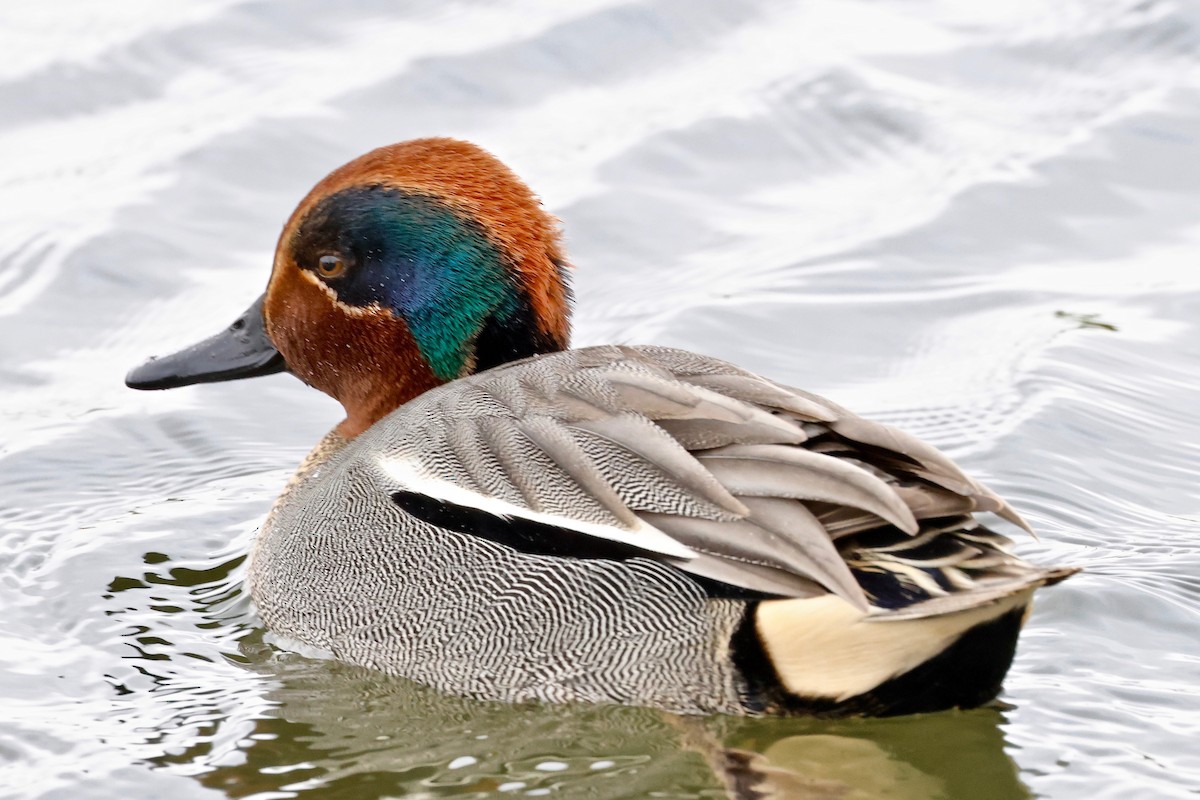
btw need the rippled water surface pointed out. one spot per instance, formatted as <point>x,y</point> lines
<point>980,221</point>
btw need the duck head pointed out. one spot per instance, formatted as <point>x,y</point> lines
<point>412,265</point>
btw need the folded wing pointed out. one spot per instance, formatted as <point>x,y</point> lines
<point>739,481</point>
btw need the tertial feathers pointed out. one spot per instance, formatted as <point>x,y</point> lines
<point>711,469</point>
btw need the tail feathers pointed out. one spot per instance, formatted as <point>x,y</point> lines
<point>826,657</point>
<point>985,592</point>
<point>945,609</point>
<point>953,559</point>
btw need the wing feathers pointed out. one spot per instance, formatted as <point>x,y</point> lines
<point>706,434</point>
<point>717,471</point>
<point>931,464</point>
<point>807,548</point>
<point>480,462</point>
<point>642,438</point>
<point>779,534</point>
<point>556,442</point>
<point>752,389</point>
<point>770,471</point>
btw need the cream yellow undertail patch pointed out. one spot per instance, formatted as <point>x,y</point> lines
<point>822,647</point>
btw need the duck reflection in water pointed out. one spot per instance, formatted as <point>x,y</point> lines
<point>338,731</point>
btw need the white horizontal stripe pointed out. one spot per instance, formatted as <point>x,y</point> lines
<point>415,477</point>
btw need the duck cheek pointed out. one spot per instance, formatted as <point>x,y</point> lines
<point>365,358</point>
<point>381,370</point>
<point>299,320</point>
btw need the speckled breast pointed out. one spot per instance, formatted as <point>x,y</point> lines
<point>339,566</point>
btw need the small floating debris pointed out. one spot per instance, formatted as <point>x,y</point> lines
<point>1086,320</point>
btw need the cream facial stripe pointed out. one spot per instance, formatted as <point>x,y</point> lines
<point>373,310</point>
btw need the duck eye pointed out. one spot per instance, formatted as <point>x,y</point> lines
<point>330,266</point>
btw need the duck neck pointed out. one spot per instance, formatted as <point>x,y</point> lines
<point>362,415</point>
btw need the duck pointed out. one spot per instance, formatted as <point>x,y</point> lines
<point>501,516</point>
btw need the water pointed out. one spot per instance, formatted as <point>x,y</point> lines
<point>978,221</point>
